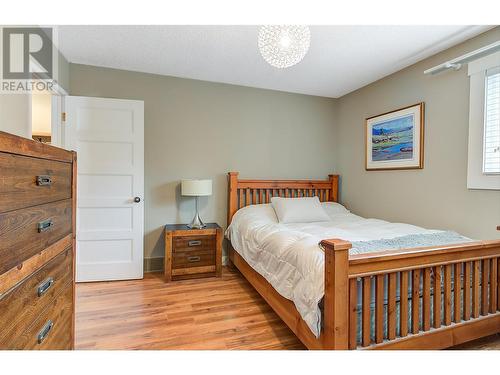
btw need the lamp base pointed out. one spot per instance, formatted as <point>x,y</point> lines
<point>196,223</point>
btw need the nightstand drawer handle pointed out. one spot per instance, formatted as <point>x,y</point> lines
<point>194,243</point>
<point>194,259</point>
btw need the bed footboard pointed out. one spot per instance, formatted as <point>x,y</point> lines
<point>425,298</point>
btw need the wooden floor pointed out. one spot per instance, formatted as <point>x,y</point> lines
<point>211,313</point>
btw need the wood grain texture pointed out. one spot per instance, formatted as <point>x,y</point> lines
<point>215,313</point>
<point>192,252</point>
<point>446,336</point>
<point>242,193</point>
<point>493,285</point>
<point>408,259</point>
<point>219,237</point>
<point>37,238</point>
<point>426,300</point>
<point>404,303</point>
<point>168,256</point>
<point>379,309</point>
<point>16,274</point>
<point>193,271</point>
<point>391,307</point>
<point>485,273</point>
<point>22,146</point>
<point>365,313</point>
<point>475,288</point>
<point>415,301</point>
<point>18,183</point>
<point>467,296</point>
<point>22,305</point>
<point>336,300</point>
<point>193,258</point>
<point>437,297</point>
<point>457,289</point>
<point>447,295</point>
<point>193,242</point>
<point>60,312</point>
<point>19,231</point>
<point>353,313</point>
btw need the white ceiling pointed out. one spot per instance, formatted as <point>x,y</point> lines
<point>341,59</point>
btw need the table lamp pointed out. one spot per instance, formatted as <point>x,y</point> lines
<point>196,188</point>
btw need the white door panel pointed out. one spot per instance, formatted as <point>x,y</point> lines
<point>108,135</point>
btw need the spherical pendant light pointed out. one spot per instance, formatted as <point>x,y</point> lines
<point>283,46</point>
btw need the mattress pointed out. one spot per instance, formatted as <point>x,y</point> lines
<point>289,257</point>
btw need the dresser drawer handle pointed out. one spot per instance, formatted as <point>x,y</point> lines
<point>44,332</point>
<point>45,225</point>
<point>194,243</point>
<point>194,259</point>
<point>45,286</point>
<point>43,180</point>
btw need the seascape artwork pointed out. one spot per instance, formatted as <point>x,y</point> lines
<point>393,139</point>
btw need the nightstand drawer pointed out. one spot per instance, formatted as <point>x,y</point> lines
<point>192,258</point>
<point>193,243</point>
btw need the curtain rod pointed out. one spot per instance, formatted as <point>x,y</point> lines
<point>457,62</point>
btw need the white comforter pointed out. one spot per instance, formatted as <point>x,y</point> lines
<point>288,255</point>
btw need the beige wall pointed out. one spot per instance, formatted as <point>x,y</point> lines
<point>437,196</point>
<point>196,129</point>
<point>15,114</point>
<point>62,71</point>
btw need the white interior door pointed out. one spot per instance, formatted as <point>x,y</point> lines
<point>108,135</point>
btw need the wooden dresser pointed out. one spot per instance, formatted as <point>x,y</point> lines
<point>37,221</point>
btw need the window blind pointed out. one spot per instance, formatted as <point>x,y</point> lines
<point>491,149</point>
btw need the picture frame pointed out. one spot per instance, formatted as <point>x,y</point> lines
<point>395,139</point>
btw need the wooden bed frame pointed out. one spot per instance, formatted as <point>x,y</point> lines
<point>475,266</point>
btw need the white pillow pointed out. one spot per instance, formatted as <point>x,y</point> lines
<point>332,209</point>
<point>299,210</point>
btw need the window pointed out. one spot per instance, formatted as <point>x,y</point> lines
<point>483,169</point>
<point>491,147</point>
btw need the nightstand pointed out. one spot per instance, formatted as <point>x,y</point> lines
<point>192,253</point>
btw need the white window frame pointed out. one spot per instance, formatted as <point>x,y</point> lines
<point>476,179</point>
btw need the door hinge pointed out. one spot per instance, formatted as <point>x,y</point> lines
<point>63,116</point>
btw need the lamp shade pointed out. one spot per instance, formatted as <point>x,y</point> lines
<point>196,188</point>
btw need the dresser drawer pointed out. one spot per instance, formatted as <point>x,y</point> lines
<point>193,258</point>
<point>28,181</point>
<point>23,233</point>
<point>24,303</point>
<point>53,328</point>
<point>193,243</point>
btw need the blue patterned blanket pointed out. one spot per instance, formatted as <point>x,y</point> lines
<point>408,241</point>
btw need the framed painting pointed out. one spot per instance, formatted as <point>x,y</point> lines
<point>395,140</point>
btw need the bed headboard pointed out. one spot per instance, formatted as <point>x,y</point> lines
<point>243,193</point>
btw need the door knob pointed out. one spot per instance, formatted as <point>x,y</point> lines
<point>137,199</point>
